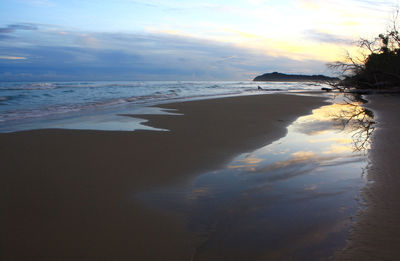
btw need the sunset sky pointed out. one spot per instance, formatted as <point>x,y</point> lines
<point>180,40</point>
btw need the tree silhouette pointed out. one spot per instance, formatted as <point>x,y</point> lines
<point>378,65</point>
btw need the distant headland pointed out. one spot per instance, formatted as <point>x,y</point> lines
<point>281,77</point>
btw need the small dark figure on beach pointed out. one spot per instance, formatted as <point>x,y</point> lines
<point>326,89</point>
<point>259,87</point>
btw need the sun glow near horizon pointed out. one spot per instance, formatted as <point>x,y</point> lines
<point>304,30</point>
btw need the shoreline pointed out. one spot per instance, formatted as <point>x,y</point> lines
<point>69,193</point>
<point>375,235</point>
<point>54,101</point>
<point>93,120</point>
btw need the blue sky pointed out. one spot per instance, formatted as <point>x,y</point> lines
<point>180,40</point>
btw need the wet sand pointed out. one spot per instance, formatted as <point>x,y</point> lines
<point>376,233</point>
<point>70,195</point>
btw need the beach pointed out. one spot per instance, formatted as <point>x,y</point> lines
<point>70,194</point>
<point>375,234</point>
<point>78,194</point>
<point>199,130</point>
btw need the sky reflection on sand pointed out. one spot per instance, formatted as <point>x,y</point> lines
<point>292,199</point>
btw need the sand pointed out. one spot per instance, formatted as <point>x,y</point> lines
<point>376,232</point>
<point>70,194</point>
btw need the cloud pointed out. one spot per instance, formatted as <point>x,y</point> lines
<point>323,37</point>
<point>14,27</point>
<point>380,5</point>
<point>58,54</point>
<point>12,57</point>
<point>375,5</point>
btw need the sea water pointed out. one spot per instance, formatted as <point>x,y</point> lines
<point>30,105</point>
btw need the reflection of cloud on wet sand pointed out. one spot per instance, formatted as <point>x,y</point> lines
<point>299,158</point>
<point>243,167</point>
<point>319,121</point>
<point>316,127</point>
<point>251,160</point>
<point>296,158</point>
<point>309,194</point>
<point>336,161</point>
<point>337,140</point>
<point>273,150</point>
<point>337,149</point>
<point>314,236</point>
<point>290,174</point>
<point>199,192</point>
<point>300,163</point>
<point>249,163</point>
<point>328,118</point>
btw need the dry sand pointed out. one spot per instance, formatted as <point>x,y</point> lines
<point>69,194</point>
<point>376,233</point>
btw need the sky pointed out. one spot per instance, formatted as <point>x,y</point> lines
<point>62,40</point>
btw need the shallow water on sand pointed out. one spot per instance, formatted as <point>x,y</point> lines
<point>291,200</point>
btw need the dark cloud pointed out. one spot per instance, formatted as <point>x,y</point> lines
<point>327,38</point>
<point>14,27</point>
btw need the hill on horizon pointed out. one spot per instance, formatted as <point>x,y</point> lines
<point>276,76</point>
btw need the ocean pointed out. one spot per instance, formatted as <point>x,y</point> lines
<point>30,105</point>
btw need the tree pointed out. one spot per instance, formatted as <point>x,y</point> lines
<point>379,63</point>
